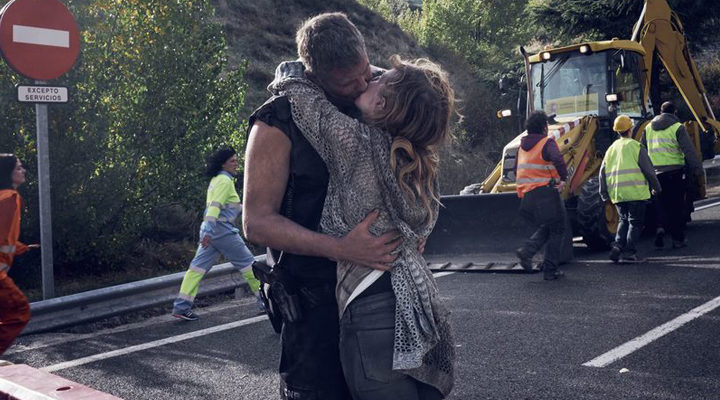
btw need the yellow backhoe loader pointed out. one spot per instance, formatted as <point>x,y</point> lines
<point>586,86</point>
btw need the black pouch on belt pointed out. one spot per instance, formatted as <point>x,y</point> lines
<point>288,304</point>
<point>265,274</point>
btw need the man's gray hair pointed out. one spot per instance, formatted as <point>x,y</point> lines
<point>329,41</point>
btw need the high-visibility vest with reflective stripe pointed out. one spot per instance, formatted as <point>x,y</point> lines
<point>222,200</point>
<point>663,146</point>
<point>532,170</point>
<point>10,245</point>
<point>625,181</point>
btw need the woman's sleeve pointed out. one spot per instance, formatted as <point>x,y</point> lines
<point>334,135</point>
<point>218,192</point>
<point>20,248</point>
<point>8,214</point>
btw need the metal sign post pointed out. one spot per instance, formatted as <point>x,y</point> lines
<point>40,40</point>
<point>43,160</point>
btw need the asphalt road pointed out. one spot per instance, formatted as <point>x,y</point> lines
<point>517,336</point>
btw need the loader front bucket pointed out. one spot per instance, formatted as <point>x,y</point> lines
<point>480,228</point>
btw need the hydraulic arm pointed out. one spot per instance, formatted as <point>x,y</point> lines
<point>661,33</point>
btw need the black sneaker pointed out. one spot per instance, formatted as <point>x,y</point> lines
<point>615,254</point>
<point>660,238</point>
<point>525,260</point>
<point>187,316</point>
<point>551,276</point>
<point>260,304</point>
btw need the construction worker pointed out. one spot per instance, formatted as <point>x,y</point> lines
<point>541,176</point>
<point>624,176</point>
<point>673,155</point>
<point>14,307</point>
<point>218,234</point>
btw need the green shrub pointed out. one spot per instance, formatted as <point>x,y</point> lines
<point>150,97</point>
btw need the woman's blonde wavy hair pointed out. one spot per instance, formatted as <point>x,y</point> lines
<point>419,104</point>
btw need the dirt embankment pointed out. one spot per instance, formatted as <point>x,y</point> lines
<point>262,33</point>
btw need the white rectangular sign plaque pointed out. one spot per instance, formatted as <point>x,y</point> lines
<point>42,94</point>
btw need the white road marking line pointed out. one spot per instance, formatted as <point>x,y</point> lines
<point>66,338</point>
<point>170,340</point>
<point>643,340</point>
<point>707,206</point>
<point>150,345</point>
<point>41,36</point>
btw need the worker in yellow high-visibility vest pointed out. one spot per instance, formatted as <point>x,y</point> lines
<point>674,157</point>
<point>218,234</point>
<point>628,179</point>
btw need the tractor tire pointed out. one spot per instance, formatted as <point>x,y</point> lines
<point>596,219</point>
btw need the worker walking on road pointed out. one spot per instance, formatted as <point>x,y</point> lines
<point>218,234</point>
<point>14,307</point>
<point>673,155</point>
<point>625,173</point>
<point>541,176</point>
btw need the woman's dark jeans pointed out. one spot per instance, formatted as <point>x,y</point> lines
<point>367,334</point>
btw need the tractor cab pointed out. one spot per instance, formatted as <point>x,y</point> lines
<point>583,86</point>
<point>599,78</point>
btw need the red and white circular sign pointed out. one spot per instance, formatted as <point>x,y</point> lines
<point>39,38</point>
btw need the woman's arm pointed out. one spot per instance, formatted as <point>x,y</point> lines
<point>333,134</point>
<point>218,193</point>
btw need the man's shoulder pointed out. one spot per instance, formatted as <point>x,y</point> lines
<point>276,108</point>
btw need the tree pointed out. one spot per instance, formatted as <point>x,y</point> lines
<point>150,96</point>
<point>599,20</point>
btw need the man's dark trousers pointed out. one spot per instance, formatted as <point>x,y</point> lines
<point>310,360</point>
<point>632,222</point>
<point>671,204</point>
<point>549,234</point>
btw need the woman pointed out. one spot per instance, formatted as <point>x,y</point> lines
<point>394,333</point>
<point>218,234</point>
<point>14,307</point>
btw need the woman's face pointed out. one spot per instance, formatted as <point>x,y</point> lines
<point>231,165</point>
<point>18,174</point>
<point>371,102</point>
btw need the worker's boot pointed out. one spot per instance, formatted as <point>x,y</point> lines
<point>615,254</point>
<point>553,274</point>
<point>659,238</point>
<point>679,244</point>
<point>525,258</point>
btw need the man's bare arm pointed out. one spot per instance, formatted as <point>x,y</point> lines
<point>267,167</point>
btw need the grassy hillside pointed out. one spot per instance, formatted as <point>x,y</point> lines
<point>262,33</point>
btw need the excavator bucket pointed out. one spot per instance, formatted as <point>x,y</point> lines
<point>481,233</point>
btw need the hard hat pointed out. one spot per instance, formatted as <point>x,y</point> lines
<point>622,123</point>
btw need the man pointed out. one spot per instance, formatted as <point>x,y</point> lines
<point>541,176</point>
<point>624,176</point>
<point>672,154</point>
<point>285,187</point>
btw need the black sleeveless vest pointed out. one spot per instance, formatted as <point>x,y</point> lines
<point>305,193</point>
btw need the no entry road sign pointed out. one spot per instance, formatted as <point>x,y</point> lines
<point>39,38</point>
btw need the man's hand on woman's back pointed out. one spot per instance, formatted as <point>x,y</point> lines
<point>362,247</point>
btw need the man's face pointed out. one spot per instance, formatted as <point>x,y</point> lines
<point>348,83</point>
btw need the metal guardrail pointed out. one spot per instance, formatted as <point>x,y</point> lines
<point>115,300</point>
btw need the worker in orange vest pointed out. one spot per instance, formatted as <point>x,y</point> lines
<point>541,176</point>
<point>14,307</point>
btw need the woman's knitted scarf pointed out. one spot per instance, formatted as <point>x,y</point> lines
<point>358,160</point>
